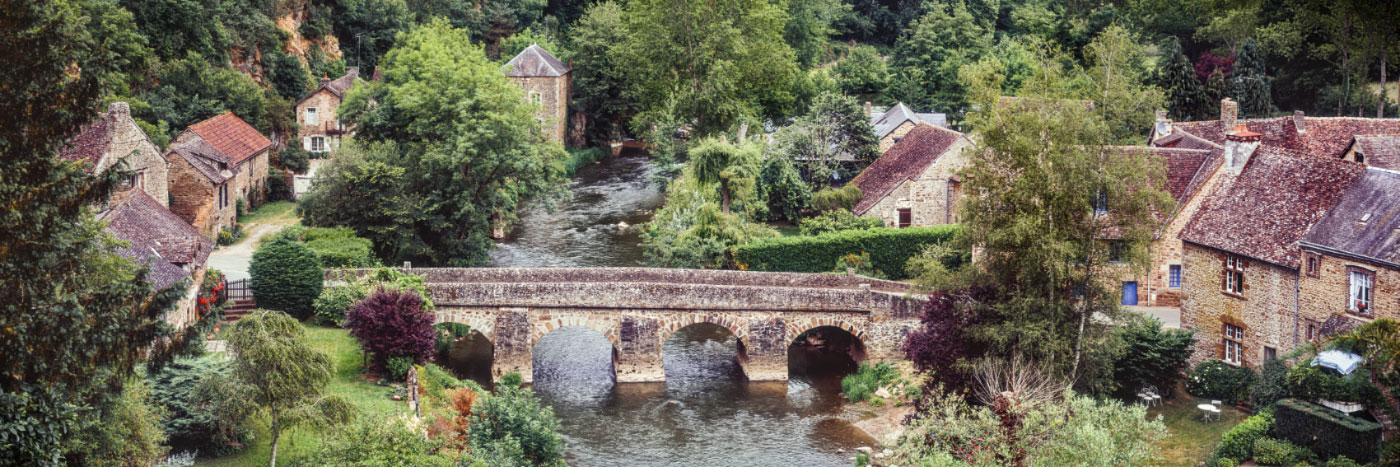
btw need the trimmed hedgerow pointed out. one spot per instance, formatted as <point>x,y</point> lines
<point>889,249</point>
<point>1238,443</point>
<point>1328,432</point>
<point>1217,380</point>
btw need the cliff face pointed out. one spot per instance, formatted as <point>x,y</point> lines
<point>290,16</point>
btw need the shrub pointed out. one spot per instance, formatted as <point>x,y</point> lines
<point>397,367</point>
<point>836,220</point>
<point>890,249</point>
<point>1328,432</point>
<point>1310,382</point>
<point>512,379</point>
<point>939,346</point>
<point>786,194</point>
<point>843,198</point>
<point>338,253</point>
<point>1239,441</point>
<point>862,384</point>
<point>860,263</point>
<point>1270,451</point>
<point>1226,462</point>
<point>1273,384</point>
<point>579,157</point>
<point>334,301</point>
<point>1154,356</point>
<point>510,427</point>
<point>331,305</point>
<point>1341,461</point>
<point>392,323</point>
<point>1217,380</point>
<point>294,158</point>
<point>228,237</point>
<point>279,185</point>
<point>372,442</point>
<point>286,276</point>
<point>124,430</point>
<point>192,423</point>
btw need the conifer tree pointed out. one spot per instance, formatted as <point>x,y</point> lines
<point>1249,83</point>
<point>1186,98</point>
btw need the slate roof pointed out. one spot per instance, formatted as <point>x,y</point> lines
<point>534,61</point>
<point>1267,209</point>
<point>908,158</point>
<point>157,237</point>
<point>195,151</point>
<point>89,146</point>
<point>1379,150</point>
<point>1366,221</point>
<point>885,122</point>
<point>232,136</point>
<point>1325,136</point>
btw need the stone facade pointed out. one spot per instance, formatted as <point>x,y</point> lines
<point>1324,295</point>
<point>898,132</point>
<point>115,137</point>
<point>327,126</point>
<point>637,309</point>
<point>931,198</point>
<point>552,95</point>
<point>1264,310</point>
<point>196,197</point>
<point>917,176</point>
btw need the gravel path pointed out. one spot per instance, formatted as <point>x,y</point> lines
<point>233,260</point>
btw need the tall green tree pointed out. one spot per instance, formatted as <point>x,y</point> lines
<point>1186,98</point>
<point>192,90</point>
<point>708,64</point>
<point>731,166</point>
<point>366,29</point>
<point>465,140</point>
<point>862,71</point>
<point>1249,83</point>
<point>278,375</point>
<point>809,27</point>
<point>929,54</point>
<point>1054,207</point>
<point>833,138</point>
<point>600,89</point>
<point>74,317</point>
<point>1121,91</point>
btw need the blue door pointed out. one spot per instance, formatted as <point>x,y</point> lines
<point>1130,293</point>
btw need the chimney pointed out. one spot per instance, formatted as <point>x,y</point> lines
<point>324,79</point>
<point>1299,122</point>
<point>1240,144</point>
<point>1229,114</point>
<point>119,108</point>
<point>867,109</point>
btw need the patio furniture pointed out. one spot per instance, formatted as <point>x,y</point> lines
<point>1343,362</point>
<point>1209,412</point>
<point>1155,398</point>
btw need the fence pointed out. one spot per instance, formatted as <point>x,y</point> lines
<point>238,290</point>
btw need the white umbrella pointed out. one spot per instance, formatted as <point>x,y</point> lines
<point>1343,362</point>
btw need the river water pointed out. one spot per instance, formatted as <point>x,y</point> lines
<point>706,413</point>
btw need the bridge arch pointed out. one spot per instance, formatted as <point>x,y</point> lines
<point>733,325</point>
<point>572,358</point>
<point>702,361</point>
<point>605,325</point>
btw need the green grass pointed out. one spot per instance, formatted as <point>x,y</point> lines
<point>276,212</point>
<point>1190,440</point>
<point>299,443</point>
<point>788,230</point>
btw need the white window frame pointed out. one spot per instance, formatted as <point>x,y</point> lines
<point>318,144</point>
<point>1361,290</point>
<point>312,119</point>
<point>1233,282</point>
<point>1234,343</point>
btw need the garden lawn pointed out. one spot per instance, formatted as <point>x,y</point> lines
<point>1190,440</point>
<point>297,444</point>
<point>276,212</point>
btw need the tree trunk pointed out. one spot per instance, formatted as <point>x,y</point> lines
<point>276,433</point>
<point>1380,108</point>
<point>724,196</point>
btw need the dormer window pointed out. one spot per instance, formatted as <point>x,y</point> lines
<point>311,117</point>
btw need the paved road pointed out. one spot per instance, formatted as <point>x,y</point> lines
<point>233,260</point>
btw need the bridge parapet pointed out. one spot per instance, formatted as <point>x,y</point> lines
<point>639,275</point>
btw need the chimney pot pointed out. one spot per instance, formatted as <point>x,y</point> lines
<point>1300,121</point>
<point>1229,114</point>
<point>119,108</point>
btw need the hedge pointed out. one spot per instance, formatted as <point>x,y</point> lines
<point>1328,432</point>
<point>1239,441</point>
<point>889,249</point>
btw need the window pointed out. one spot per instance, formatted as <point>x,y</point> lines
<point>1234,344</point>
<point>1115,251</point>
<point>1174,276</point>
<point>1312,330</point>
<point>535,97</point>
<point>318,144</point>
<point>1362,282</point>
<point>311,119</point>
<point>906,217</point>
<point>1233,282</point>
<point>223,196</point>
<point>1312,264</point>
<point>1101,202</point>
<point>1361,158</point>
<point>1270,353</point>
<point>136,180</point>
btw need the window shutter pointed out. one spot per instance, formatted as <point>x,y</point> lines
<point>306,143</point>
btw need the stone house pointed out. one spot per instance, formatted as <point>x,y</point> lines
<point>891,125</point>
<point>321,128</point>
<point>1375,151</point>
<point>914,183</point>
<point>1241,250</point>
<point>171,249</point>
<point>115,137</point>
<point>213,164</point>
<point>1351,259</point>
<point>547,82</point>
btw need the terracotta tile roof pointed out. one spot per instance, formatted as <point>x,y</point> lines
<point>198,153</point>
<point>1325,136</point>
<point>1265,210</point>
<point>157,238</point>
<point>1366,221</point>
<point>1183,166</point>
<point>534,61</point>
<point>908,158</point>
<point>1379,150</point>
<point>90,145</point>
<point>232,136</point>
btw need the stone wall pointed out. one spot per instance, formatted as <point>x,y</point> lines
<point>932,197</point>
<point>142,156</point>
<point>1265,310</point>
<point>637,309</point>
<point>553,95</point>
<point>1325,295</point>
<point>898,132</point>
<point>256,170</point>
<point>326,105</point>
<point>1154,288</point>
<point>195,199</point>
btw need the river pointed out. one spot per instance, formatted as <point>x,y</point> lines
<point>705,413</point>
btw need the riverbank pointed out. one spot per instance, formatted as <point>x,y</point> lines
<point>882,416</point>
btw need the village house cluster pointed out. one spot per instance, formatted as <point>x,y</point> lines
<point>1285,229</point>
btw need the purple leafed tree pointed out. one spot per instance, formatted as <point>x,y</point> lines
<point>940,344</point>
<point>392,323</point>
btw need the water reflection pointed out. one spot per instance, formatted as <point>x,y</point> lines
<point>596,228</point>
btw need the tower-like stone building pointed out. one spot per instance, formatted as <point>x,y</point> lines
<point>547,82</point>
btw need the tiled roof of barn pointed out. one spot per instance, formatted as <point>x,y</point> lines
<point>157,238</point>
<point>1265,210</point>
<point>1380,150</point>
<point>1184,140</point>
<point>1183,167</point>
<point>232,136</point>
<point>1325,136</point>
<point>89,146</point>
<point>195,151</point>
<point>534,61</point>
<point>908,158</point>
<point>1366,221</point>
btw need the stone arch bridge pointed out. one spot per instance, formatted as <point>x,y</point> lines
<point>637,309</point>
